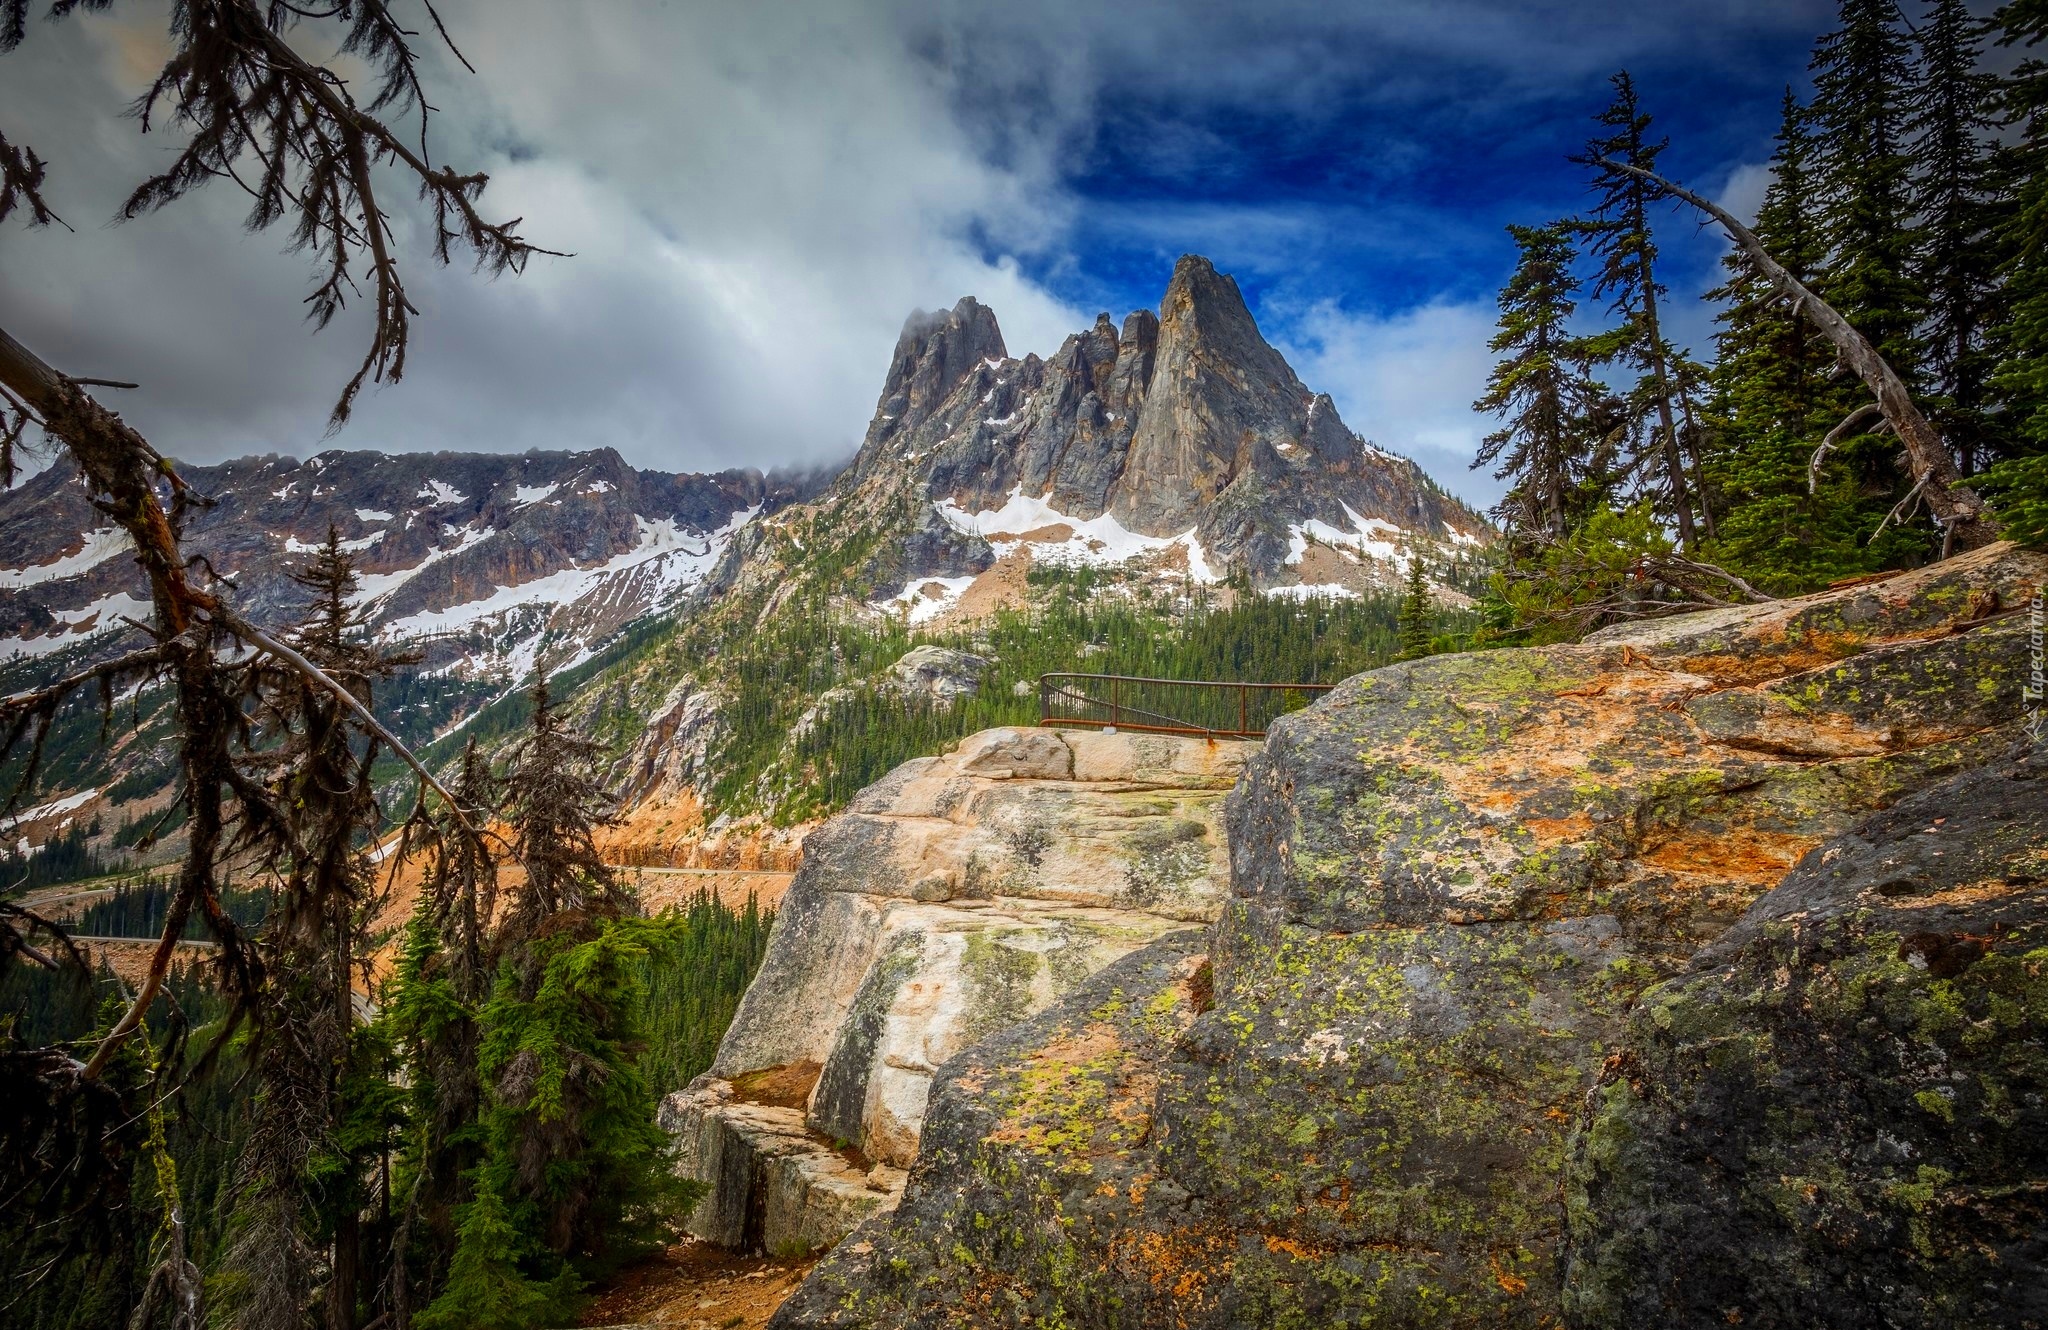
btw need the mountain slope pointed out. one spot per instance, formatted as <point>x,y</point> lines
<point>1184,438</point>
<point>495,564</point>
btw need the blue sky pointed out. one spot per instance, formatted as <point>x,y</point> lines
<point>758,195</point>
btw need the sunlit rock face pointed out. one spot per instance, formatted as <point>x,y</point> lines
<point>954,898</point>
<point>1182,439</point>
<point>1687,976</point>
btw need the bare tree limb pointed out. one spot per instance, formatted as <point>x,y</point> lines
<point>1840,432</point>
<point>1965,521</point>
<point>313,674</point>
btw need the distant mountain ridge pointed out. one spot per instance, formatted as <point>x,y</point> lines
<point>498,563</point>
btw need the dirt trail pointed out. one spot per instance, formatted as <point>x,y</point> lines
<point>696,1286</point>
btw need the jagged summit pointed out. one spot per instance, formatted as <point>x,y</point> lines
<point>1183,429</point>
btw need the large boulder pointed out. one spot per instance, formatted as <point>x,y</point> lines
<point>954,898</point>
<point>1451,882</point>
<point>1838,1115</point>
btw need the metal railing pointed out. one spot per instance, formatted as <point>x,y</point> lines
<point>1206,707</point>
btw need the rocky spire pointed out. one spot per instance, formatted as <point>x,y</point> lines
<point>1221,402</point>
<point>933,354</point>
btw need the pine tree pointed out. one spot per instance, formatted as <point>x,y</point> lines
<point>1952,124</point>
<point>556,805</point>
<point>1863,95</point>
<point>1619,232</point>
<point>1772,401</point>
<point>1541,389</point>
<point>1418,611</point>
<point>2021,339</point>
<point>322,1110</point>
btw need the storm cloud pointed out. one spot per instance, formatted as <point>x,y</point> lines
<point>756,195</point>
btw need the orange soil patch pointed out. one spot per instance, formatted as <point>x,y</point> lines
<point>1003,586</point>
<point>696,1286</point>
<point>129,957</point>
<point>778,1087</point>
<point>662,888</point>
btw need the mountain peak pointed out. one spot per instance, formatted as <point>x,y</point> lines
<point>1223,403</point>
<point>934,352</point>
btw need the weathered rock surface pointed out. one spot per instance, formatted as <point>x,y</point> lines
<point>1451,883</point>
<point>1185,426</point>
<point>1838,1115</point>
<point>952,899</point>
<point>937,675</point>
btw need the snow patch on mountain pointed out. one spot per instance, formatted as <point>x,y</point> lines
<point>925,598</point>
<point>1053,536</point>
<point>441,493</point>
<point>80,625</point>
<point>97,547</point>
<point>1369,536</point>
<point>371,587</point>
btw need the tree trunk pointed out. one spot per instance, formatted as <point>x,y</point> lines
<point>1674,469</point>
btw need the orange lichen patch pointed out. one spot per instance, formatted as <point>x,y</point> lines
<point>1183,1262</point>
<point>1737,671</point>
<point>1509,1281</point>
<point>1549,830</point>
<point>1300,1251</point>
<point>1747,853</point>
<point>787,1086</point>
<point>1076,1097</point>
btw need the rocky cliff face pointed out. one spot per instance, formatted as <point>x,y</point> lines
<point>1510,926</point>
<point>1183,438</point>
<point>952,900</point>
<point>498,563</point>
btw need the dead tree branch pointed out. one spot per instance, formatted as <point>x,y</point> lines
<point>1964,520</point>
<point>1847,429</point>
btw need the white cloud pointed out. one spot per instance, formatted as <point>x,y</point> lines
<point>1744,192</point>
<point>1406,381</point>
<point>756,196</point>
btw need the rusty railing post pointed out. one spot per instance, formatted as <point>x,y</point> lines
<point>1243,694</point>
<point>1115,694</point>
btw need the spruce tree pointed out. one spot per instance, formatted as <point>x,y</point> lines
<point>1620,238</point>
<point>1862,110</point>
<point>1541,389</point>
<point>1952,124</point>
<point>1418,611</point>
<point>1772,401</point>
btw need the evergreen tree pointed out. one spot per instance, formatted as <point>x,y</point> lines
<point>2021,339</point>
<point>1863,99</point>
<point>1772,401</point>
<point>1620,238</point>
<point>1418,611</point>
<point>1952,110</point>
<point>322,1096</point>
<point>1541,389</point>
<point>571,1173</point>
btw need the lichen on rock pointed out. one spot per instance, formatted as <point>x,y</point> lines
<point>1464,891</point>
